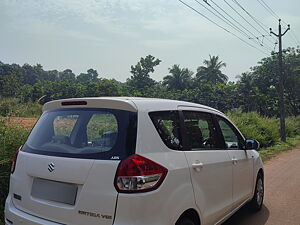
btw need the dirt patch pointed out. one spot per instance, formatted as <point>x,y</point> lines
<point>20,121</point>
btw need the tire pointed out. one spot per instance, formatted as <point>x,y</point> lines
<point>185,221</point>
<point>258,197</point>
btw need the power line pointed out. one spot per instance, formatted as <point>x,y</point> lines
<point>195,10</point>
<point>292,40</point>
<point>261,24</point>
<point>251,16</point>
<point>275,15</point>
<point>268,8</point>
<point>227,22</point>
<point>230,16</point>
<point>224,20</point>
<point>253,35</point>
<point>295,37</point>
<point>236,27</point>
<point>262,38</point>
<point>243,17</point>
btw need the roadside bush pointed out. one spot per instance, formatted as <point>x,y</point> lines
<point>292,126</point>
<point>263,129</point>
<point>254,126</point>
<point>13,107</point>
<point>11,138</point>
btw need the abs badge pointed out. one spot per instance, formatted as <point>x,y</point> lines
<point>51,167</point>
<point>115,157</point>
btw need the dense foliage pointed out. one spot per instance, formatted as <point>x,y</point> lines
<point>254,91</point>
<point>262,128</point>
<point>13,107</point>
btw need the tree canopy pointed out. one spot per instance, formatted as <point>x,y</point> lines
<point>254,90</point>
<point>140,78</point>
<point>178,79</point>
<point>211,71</point>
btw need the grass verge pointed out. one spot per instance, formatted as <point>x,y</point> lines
<point>272,151</point>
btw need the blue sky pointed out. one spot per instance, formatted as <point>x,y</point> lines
<point>112,35</point>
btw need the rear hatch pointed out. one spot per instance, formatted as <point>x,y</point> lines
<point>65,171</point>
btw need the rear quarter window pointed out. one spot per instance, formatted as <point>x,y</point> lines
<point>168,128</point>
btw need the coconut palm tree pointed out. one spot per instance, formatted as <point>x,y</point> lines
<point>211,72</point>
<point>179,78</point>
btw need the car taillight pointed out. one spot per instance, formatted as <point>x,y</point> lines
<point>139,174</point>
<point>14,161</point>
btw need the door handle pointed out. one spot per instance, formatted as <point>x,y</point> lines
<point>234,161</point>
<point>197,166</point>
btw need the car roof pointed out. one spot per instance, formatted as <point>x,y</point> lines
<point>127,103</point>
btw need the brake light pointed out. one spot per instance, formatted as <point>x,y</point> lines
<point>139,174</point>
<point>14,160</point>
<point>74,103</point>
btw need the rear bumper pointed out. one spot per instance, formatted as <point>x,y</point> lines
<point>14,216</point>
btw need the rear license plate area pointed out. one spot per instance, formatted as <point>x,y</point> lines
<point>54,191</point>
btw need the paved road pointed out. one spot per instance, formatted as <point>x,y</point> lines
<point>282,194</point>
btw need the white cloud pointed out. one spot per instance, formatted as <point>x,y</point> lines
<point>124,30</point>
<point>52,30</point>
<point>120,17</point>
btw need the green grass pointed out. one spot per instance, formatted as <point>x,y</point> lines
<point>270,152</point>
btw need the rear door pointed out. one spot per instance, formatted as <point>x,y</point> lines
<point>242,161</point>
<point>65,171</point>
<point>210,166</point>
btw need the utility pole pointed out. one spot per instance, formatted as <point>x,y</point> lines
<point>281,82</point>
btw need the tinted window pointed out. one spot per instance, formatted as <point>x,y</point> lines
<point>84,133</point>
<point>167,125</point>
<point>231,137</point>
<point>200,130</point>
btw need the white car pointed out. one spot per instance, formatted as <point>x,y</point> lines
<point>133,161</point>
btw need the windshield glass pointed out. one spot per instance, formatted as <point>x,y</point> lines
<point>84,133</point>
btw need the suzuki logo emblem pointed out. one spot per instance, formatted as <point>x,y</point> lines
<point>51,167</point>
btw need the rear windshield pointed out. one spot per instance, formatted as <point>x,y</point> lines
<point>84,133</point>
<point>167,125</point>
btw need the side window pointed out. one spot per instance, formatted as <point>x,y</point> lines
<point>167,125</point>
<point>230,134</point>
<point>200,130</point>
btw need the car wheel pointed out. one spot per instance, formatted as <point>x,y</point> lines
<point>258,198</point>
<point>185,221</point>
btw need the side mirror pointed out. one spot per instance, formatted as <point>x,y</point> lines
<point>252,144</point>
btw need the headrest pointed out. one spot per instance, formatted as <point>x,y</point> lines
<point>191,123</point>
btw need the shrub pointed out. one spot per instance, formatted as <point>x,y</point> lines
<point>13,107</point>
<point>253,126</point>
<point>263,129</point>
<point>292,126</point>
<point>11,138</point>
